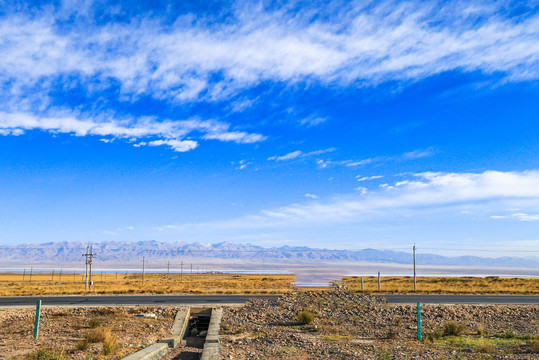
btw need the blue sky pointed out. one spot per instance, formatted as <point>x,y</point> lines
<point>341,124</point>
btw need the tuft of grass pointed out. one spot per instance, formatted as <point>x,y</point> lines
<point>47,354</point>
<point>453,329</point>
<point>383,353</point>
<point>507,335</point>
<point>94,323</point>
<point>481,330</point>
<point>391,333</point>
<point>95,335</point>
<point>83,345</point>
<point>110,343</point>
<point>305,317</point>
<point>61,313</point>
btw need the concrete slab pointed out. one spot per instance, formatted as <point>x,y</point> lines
<point>180,322</point>
<point>152,352</point>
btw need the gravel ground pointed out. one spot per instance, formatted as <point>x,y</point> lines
<point>62,329</point>
<point>354,326</point>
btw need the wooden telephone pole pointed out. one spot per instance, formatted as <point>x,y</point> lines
<point>415,283</point>
<point>88,271</point>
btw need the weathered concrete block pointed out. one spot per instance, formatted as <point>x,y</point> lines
<point>215,322</point>
<point>180,322</point>
<point>172,342</point>
<point>152,352</point>
<point>210,352</point>
<point>212,339</point>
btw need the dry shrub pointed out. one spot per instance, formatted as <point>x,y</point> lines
<point>61,313</point>
<point>94,323</point>
<point>481,330</point>
<point>46,354</point>
<point>453,329</point>
<point>95,335</point>
<point>305,317</point>
<point>391,333</point>
<point>83,345</point>
<point>110,343</point>
<point>107,311</point>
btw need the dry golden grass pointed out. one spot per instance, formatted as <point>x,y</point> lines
<point>43,284</point>
<point>441,285</point>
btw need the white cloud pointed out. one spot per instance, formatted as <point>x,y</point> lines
<point>300,154</point>
<point>424,192</point>
<point>419,154</point>
<point>518,216</point>
<point>368,44</point>
<point>362,190</point>
<point>168,132</point>
<point>366,178</point>
<point>312,196</point>
<point>177,145</point>
<point>312,121</point>
<point>241,165</point>
<point>239,137</point>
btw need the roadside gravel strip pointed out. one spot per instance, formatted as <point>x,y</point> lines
<point>348,325</point>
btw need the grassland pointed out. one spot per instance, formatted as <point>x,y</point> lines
<point>122,283</point>
<point>446,285</point>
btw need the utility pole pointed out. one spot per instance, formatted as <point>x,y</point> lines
<point>181,271</point>
<point>168,270</point>
<point>88,270</point>
<point>23,275</point>
<point>31,270</point>
<point>415,283</point>
<point>191,271</point>
<point>143,260</point>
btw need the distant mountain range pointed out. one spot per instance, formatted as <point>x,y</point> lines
<point>120,253</point>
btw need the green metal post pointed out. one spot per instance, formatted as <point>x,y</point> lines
<point>36,324</point>
<point>418,321</point>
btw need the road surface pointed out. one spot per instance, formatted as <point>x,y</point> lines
<point>463,299</point>
<point>240,299</point>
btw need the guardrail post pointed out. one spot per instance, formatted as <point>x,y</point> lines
<point>38,314</point>
<point>418,321</point>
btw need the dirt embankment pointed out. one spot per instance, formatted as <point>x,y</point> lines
<point>349,325</point>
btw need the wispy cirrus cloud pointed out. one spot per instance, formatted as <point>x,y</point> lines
<point>168,132</point>
<point>186,59</point>
<point>412,155</point>
<point>366,178</point>
<point>518,216</point>
<point>300,154</point>
<point>422,192</point>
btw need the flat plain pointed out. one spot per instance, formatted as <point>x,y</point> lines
<point>218,283</point>
<point>445,285</point>
<point>122,283</point>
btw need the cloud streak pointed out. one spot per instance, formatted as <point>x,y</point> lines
<point>190,60</point>
<point>169,133</point>
<point>300,154</point>
<point>423,191</point>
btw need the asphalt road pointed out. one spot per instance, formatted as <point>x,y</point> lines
<point>240,299</point>
<point>130,300</point>
<point>463,299</point>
